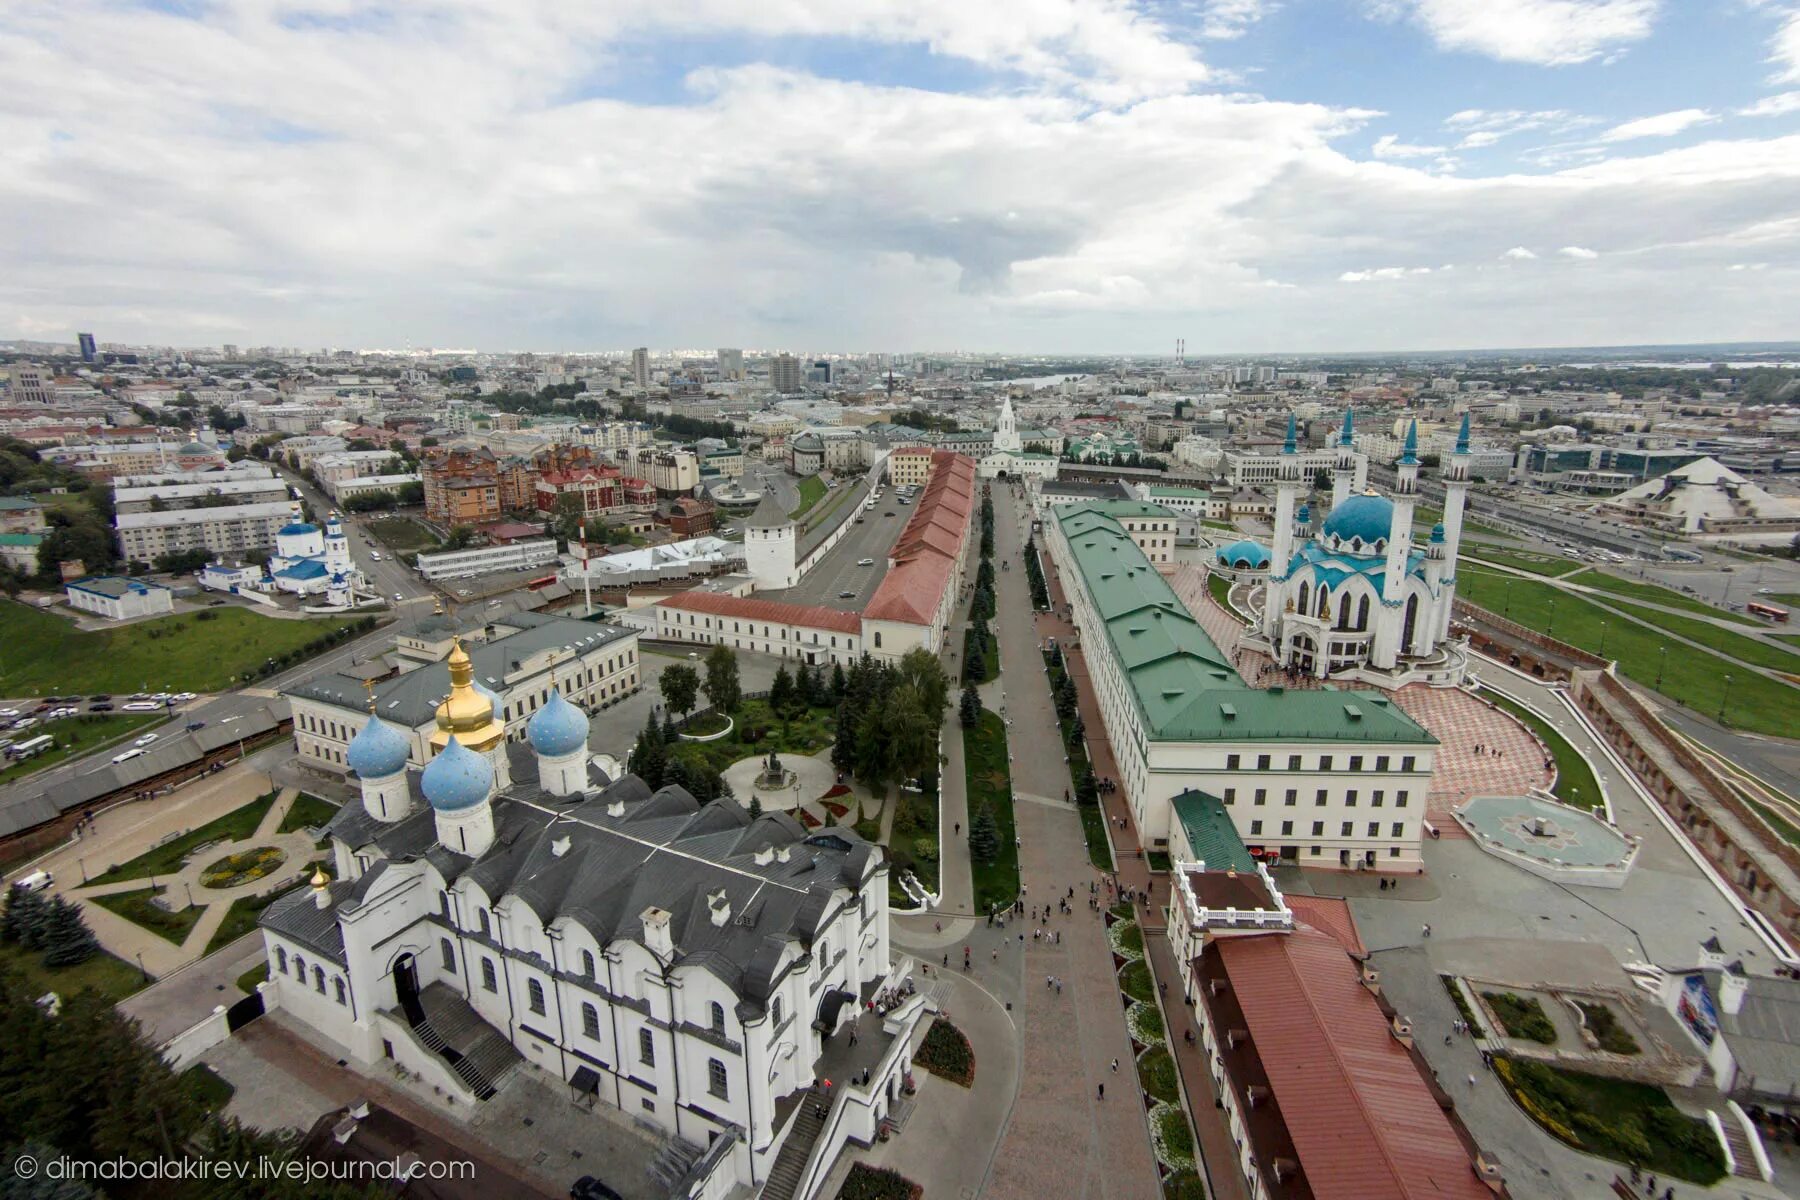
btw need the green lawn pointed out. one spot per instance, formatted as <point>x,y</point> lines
<point>1789,832</point>
<point>1227,526</point>
<point>1616,1119</point>
<point>1691,677</point>
<point>1667,597</point>
<point>249,979</point>
<point>206,1086</point>
<point>167,858</point>
<point>1744,649</point>
<point>76,736</point>
<point>812,490</point>
<point>240,918</point>
<point>990,783</point>
<point>1523,560</point>
<point>1156,1071</point>
<point>758,731</point>
<point>138,908</point>
<point>402,533</point>
<point>307,812</point>
<point>203,651</point>
<point>1575,782</point>
<point>112,977</point>
<point>1220,588</point>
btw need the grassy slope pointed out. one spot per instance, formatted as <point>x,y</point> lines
<point>1667,597</point>
<point>1692,677</point>
<point>1745,649</point>
<point>1575,782</point>
<point>812,490</point>
<point>112,977</point>
<point>47,654</point>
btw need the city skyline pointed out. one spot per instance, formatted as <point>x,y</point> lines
<point>1522,173</point>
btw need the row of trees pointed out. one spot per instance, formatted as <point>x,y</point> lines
<point>49,925</point>
<point>978,644</point>
<point>1034,575</point>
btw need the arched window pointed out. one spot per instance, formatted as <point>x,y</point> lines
<point>319,980</point>
<point>646,1047</point>
<point>878,639</point>
<point>486,928</point>
<point>718,1017</point>
<point>448,952</point>
<point>299,968</point>
<point>1343,621</point>
<point>535,993</point>
<point>280,961</point>
<point>338,983</point>
<point>775,1012</point>
<point>1324,601</point>
<point>488,979</point>
<point>715,1077</point>
<point>1305,595</point>
<point>587,963</point>
<point>590,1020</point>
<point>1362,614</point>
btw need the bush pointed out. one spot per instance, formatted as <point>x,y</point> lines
<point>1613,1037</point>
<point>878,1183</point>
<point>1521,1018</point>
<point>926,848</point>
<point>1134,981</point>
<point>1156,1071</point>
<point>946,1053</point>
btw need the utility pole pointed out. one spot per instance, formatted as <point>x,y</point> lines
<point>587,575</point>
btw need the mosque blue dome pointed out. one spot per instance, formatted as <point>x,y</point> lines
<point>1370,518</point>
<point>377,750</point>
<point>457,778</point>
<point>1244,554</point>
<point>558,728</point>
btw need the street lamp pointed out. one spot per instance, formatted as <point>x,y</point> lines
<point>1603,638</point>
<point>1726,698</point>
<point>1550,626</point>
<point>1509,584</point>
<point>1661,662</point>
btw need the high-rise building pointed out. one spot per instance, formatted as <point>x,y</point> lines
<point>784,373</point>
<point>821,371</point>
<point>640,367</point>
<point>32,384</point>
<point>90,350</point>
<point>731,365</point>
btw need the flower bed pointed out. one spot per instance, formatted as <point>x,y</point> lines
<point>1156,1071</point>
<point>242,867</point>
<point>1145,1023</point>
<point>838,811</point>
<point>1134,981</point>
<point>837,789</point>
<point>878,1183</point>
<point>946,1053</point>
<point>1172,1138</point>
<point>807,819</point>
<point>1127,939</point>
<point>1521,1017</point>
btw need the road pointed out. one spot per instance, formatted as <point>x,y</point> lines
<point>389,577</point>
<point>838,571</point>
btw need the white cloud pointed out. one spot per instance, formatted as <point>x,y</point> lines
<point>1778,105</point>
<point>1479,128</point>
<point>1661,125</point>
<point>1785,50</point>
<point>1756,266</point>
<point>1383,273</point>
<point>1581,252</point>
<point>1518,252</point>
<point>1391,147</point>
<point>1227,19</point>
<point>1544,32</point>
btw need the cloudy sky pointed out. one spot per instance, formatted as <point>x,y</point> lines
<point>1003,175</point>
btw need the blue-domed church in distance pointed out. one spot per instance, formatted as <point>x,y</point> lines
<point>1359,596</point>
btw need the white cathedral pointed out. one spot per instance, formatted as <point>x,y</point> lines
<point>1357,596</point>
<point>512,909</point>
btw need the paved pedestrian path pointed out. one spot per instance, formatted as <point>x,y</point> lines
<point>1062,1139</point>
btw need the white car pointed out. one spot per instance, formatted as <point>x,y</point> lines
<point>7,714</point>
<point>160,696</point>
<point>183,697</point>
<point>374,557</point>
<point>140,706</point>
<point>398,597</point>
<point>865,562</point>
<point>146,739</point>
<point>128,756</point>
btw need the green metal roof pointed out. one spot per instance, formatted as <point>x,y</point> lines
<point>1211,832</point>
<point>21,539</point>
<point>1185,687</point>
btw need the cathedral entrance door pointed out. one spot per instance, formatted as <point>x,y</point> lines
<point>406,989</point>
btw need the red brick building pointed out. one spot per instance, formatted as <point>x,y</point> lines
<point>691,518</point>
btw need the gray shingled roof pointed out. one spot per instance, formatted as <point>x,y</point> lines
<point>769,514</point>
<point>664,850</point>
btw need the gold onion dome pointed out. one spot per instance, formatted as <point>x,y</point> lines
<point>468,711</point>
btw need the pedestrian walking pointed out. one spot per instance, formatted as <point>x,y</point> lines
<point>1471,1081</point>
<point>1101,1095</point>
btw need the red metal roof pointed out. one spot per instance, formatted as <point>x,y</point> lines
<point>926,552</point>
<point>1330,915</point>
<point>773,611</point>
<point>1362,1119</point>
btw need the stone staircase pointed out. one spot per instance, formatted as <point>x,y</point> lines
<point>790,1164</point>
<point>475,1050</point>
<point>1743,1158</point>
<point>674,1161</point>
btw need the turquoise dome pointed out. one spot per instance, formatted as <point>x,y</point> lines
<point>377,750</point>
<point>1244,554</point>
<point>1437,534</point>
<point>1370,518</point>
<point>457,778</point>
<point>558,728</point>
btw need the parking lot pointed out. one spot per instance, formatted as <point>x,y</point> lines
<point>838,571</point>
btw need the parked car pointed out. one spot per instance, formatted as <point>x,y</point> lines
<point>589,1188</point>
<point>101,696</point>
<point>215,604</point>
<point>37,881</point>
<point>846,595</point>
<point>143,706</point>
<point>183,697</point>
<point>103,706</point>
<point>7,714</point>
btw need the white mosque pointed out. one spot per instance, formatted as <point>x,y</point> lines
<point>1357,597</point>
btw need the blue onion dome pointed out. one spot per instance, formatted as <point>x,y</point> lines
<point>1368,517</point>
<point>457,778</point>
<point>377,750</point>
<point>558,728</point>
